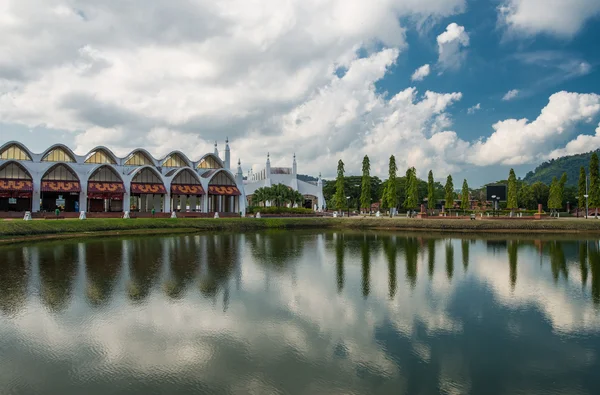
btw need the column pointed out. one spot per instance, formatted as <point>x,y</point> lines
<point>36,197</point>
<point>167,203</point>
<point>83,199</point>
<point>126,202</point>
<point>219,203</point>
<point>142,203</point>
<point>232,204</point>
<point>193,202</point>
<point>204,203</point>
<point>157,203</point>
<point>182,203</point>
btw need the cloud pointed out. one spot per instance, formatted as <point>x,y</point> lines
<point>583,143</point>
<point>451,44</point>
<point>474,109</point>
<point>559,18</point>
<point>420,73</point>
<point>511,94</point>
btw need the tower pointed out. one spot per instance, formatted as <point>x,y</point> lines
<point>239,169</point>
<point>216,150</point>
<point>268,168</point>
<point>227,155</point>
<point>294,168</point>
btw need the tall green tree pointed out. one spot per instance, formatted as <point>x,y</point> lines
<point>464,196</point>
<point>430,191</point>
<point>391,193</point>
<point>553,196</point>
<point>526,197</point>
<point>560,190</point>
<point>581,188</point>
<point>449,192</point>
<point>340,197</point>
<point>365,188</point>
<point>414,189</point>
<point>594,192</point>
<point>511,198</point>
<point>407,180</point>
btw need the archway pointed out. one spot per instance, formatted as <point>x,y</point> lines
<point>105,190</point>
<point>186,190</point>
<point>16,188</point>
<point>60,189</point>
<point>310,201</point>
<point>223,194</point>
<point>147,190</point>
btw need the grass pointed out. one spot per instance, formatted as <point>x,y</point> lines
<point>13,230</point>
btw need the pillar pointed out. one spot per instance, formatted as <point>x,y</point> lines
<point>157,203</point>
<point>36,198</point>
<point>193,202</point>
<point>142,203</point>
<point>167,203</point>
<point>232,204</point>
<point>219,207</point>
<point>204,203</point>
<point>126,202</point>
<point>83,199</point>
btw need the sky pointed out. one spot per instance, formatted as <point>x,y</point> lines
<point>463,87</point>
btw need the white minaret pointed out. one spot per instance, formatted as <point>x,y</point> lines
<point>294,167</point>
<point>227,154</point>
<point>239,169</point>
<point>268,169</point>
<point>320,180</point>
<point>216,150</point>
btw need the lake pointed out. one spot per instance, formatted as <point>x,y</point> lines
<point>298,312</point>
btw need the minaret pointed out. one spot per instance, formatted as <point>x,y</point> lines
<point>216,150</point>
<point>320,180</point>
<point>268,169</point>
<point>227,154</point>
<point>240,173</point>
<point>294,168</point>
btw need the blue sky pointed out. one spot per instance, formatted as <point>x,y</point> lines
<point>324,79</point>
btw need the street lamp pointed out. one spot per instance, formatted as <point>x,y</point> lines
<point>497,204</point>
<point>348,205</point>
<point>494,204</point>
<point>586,202</point>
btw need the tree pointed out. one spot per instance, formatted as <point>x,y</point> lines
<point>594,198</point>
<point>511,198</point>
<point>541,192</point>
<point>525,197</point>
<point>581,188</point>
<point>464,196</point>
<point>449,190</point>
<point>340,197</point>
<point>560,190</point>
<point>365,189</point>
<point>553,196</point>
<point>430,191</point>
<point>411,189</point>
<point>390,196</point>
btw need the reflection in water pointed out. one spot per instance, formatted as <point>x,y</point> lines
<point>143,315</point>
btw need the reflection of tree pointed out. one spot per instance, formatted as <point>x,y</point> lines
<point>339,260</point>
<point>144,266</point>
<point>449,260</point>
<point>58,267</point>
<point>365,254</point>
<point>594,262</point>
<point>582,262</point>
<point>389,246</point>
<point>222,255</point>
<point>277,249</point>
<point>431,256</point>
<point>512,262</point>
<point>557,260</point>
<point>103,264</point>
<point>465,254</point>
<point>183,261</point>
<point>13,280</point>
<point>411,252</point>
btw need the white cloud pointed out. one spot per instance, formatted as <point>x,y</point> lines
<point>474,109</point>
<point>451,44</point>
<point>583,143</point>
<point>511,94</point>
<point>421,73</point>
<point>562,18</point>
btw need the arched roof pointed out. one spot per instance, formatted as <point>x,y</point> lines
<point>227,173</point>
<point>108,165</point>
<point>18,144</point>
<point>176,172</point>
<point>107,151</point>
<point>140,169</point>
<point>60,164</point>
<point>179,153</point>
<point>67,150</point>
<point>143,152</point>
<point>211,155</point>
<point>16,163</point>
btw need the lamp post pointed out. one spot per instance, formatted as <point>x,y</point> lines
<point>494,205</point>
<point>348,205</point>
<point>586,203</point>
<point>497,205</point>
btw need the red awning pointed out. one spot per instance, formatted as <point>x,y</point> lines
<point>227,190</point>
<point>106,187</point>
<point>187,189</point>
<point>61,186</point>
<point>148,189</point>
<point>7,185</point>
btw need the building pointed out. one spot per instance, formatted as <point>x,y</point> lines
<point>100,181</point>
<point>269,176</point>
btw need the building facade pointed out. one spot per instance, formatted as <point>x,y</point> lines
<point>100,181</point>
<point>270,176</point>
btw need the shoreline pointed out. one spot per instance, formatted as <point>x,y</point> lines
<point>18,231</point>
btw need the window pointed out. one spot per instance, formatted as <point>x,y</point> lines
<point>60,173</point>
<point>222,179</point>
<point>105,174</point>
<point>147,176</point>
<point>186,177</point>
<point>100,157</point>
<point>14,152</point>
<point>58,155</point>
<point>138,159</point>
<point>13,171</point>
<point>175,160</point>
<point>209,163</point>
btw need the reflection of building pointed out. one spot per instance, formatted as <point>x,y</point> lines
<point>270,176</point>
<point>102,182</point>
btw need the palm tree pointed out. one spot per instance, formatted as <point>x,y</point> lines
<point>261,195</point>
<point>297,198</point>
<point>280,195</point>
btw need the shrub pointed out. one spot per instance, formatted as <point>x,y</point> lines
<point>278,210</point>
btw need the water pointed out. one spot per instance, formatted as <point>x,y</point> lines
<point>301,313</point>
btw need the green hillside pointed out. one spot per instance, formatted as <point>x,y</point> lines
<point>555,168</point>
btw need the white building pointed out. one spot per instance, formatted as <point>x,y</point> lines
<point>269,176</point>
<point>100,181</point>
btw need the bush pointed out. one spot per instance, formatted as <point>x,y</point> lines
<point>278,210</point>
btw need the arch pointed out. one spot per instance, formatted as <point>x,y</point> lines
<point>146,180</point>
<point>221,177</point>
<point>60,172</point>
<point>105,173</point>
<point>16,187</point>
<point>13,170</point>
<point>210,161</point>
<point>14,150</point>
<point>185,181</point>
<point>60,188</point>
<point>59,153</point>
<point>176,159</point>
<point>139,157</point>
<point>100,155</point>
<point>106,189</point>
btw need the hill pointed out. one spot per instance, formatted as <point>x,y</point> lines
<point>555,168</point>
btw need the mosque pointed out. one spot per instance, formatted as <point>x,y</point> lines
<point>102,182</point>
